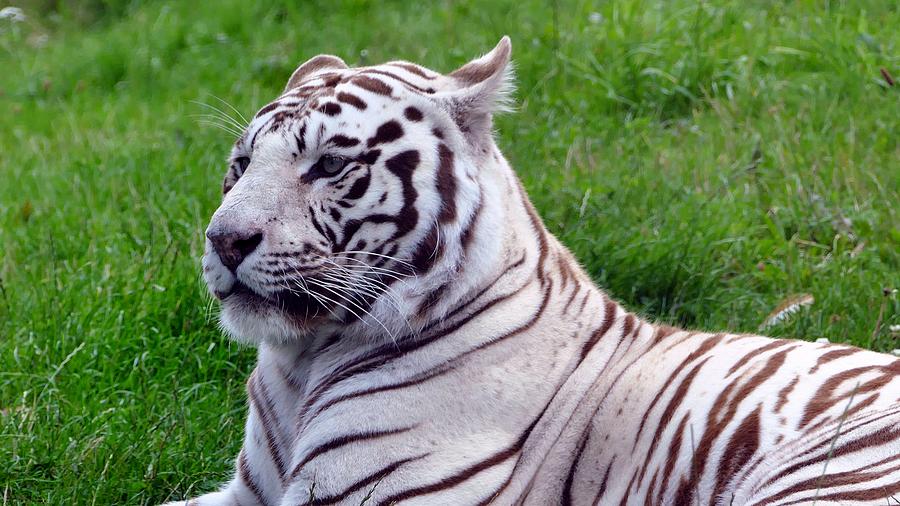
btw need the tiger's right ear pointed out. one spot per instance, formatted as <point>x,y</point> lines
<point>314,64</point>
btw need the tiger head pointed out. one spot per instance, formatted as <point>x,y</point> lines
<point>351,201</point>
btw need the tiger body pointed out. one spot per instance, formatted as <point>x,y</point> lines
<point>496,372</point>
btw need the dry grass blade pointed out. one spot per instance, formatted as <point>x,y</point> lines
<point>786,308</point>
<point>837,434</point>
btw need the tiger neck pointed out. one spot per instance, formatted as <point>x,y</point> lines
<point>526,261</point>
<point>512,273</point>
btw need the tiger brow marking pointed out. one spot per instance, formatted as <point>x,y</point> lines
<point>388,132</point>
<point>373,85</point>
<point>342,141</point>
<point>412,114</point>
<point>412,69</point>
<point>402,81</point>
<point>267,108</point>
<point>330,109</point>
<point>351,99</point>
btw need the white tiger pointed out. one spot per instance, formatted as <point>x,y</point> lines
<point>423,339</point>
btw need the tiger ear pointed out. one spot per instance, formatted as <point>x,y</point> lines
<point>314,64</point>
<point>484,86</point>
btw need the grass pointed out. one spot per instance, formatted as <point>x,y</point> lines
<point>703,160</point>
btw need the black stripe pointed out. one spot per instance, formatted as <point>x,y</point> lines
<point>249,481</point>
<point>460,477</point>
<point>570,479</point>
<point>343,441</point>
<point>375,477</point>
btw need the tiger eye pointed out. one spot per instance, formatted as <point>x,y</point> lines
<point>332,164</point>
<point>242,163</point>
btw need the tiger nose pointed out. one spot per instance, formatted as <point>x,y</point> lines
<point>233,246</point>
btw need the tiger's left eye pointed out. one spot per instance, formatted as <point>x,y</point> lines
<point>332,164</point>
<point>242,163</point>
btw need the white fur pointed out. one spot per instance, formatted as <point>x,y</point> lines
<point>513,364</point>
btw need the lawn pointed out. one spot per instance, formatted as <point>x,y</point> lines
<point>703,160</point>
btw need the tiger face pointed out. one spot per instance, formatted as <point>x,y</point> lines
<point>348,199</point>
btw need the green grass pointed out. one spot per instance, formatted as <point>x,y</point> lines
<point>704,161</point>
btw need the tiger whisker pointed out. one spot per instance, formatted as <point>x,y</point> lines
<point>366,288</point>
<point>322,284</point>
<point>363,270</point>
<point>221,127</point>
<point>388,257</point>
<point>227,104</point>
<point>301,282</point>
<point>216,119</point>
<point>356,271</point>
<point>326,286</point>
<point>224,118</point>
<point>353,286</point>
<point>356,293</point>
<point>345,282</point>
<point>374,283</point>
<point>224,114</point>
<point>317,296</point>
<point>390,272</point>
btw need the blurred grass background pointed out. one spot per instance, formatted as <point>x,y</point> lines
<point>704,160</point>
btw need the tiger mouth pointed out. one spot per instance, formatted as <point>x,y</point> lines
<point>293,302</point>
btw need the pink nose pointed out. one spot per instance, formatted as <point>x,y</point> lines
<point>233,246</point>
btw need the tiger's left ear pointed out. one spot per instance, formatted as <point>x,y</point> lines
<point>314,64</point>
<point>483,87</point>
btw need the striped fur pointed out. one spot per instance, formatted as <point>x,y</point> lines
<point>423,339</point>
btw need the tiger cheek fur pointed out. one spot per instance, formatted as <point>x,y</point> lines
<point>423,339</point>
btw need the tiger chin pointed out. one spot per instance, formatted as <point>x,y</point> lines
<point>423,339</point>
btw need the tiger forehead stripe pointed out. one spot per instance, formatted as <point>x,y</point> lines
<point>343,141</point>
<point>376,86</point>
<point>413,69</point>
<point>350,99</point>
<point>412,114</point>
<point>417,319</point>
<point>388,132</point>
<point>403,81</point>
<point>330,108</point>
